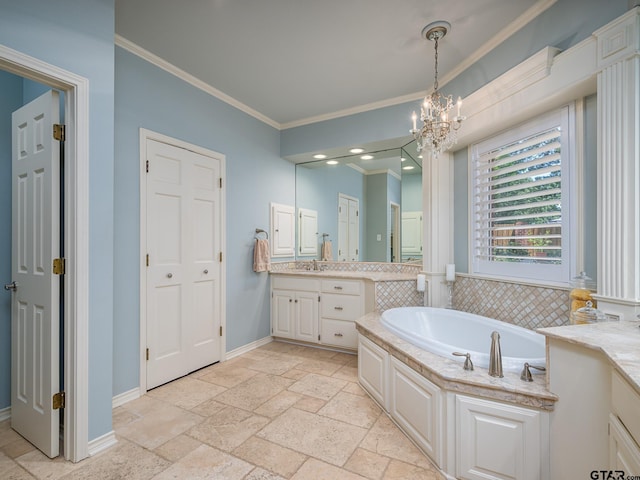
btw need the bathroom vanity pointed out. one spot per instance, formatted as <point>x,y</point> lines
<point>595,371</point>
<point>318,302</point>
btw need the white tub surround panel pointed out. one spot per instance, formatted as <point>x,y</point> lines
<point>618,58</point>
<point>437,205</point>
<point>471,425</point>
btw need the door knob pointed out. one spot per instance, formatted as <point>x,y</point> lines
<point>169,275</point>
<point>11,286</point>
<point>206,271</point>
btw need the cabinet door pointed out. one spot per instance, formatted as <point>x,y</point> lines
<point>372,369</point>
<point>497,441</point>
<point>624,454</point>
<point>282,312</point>
<point>415,404</point>
<point>306,308</point>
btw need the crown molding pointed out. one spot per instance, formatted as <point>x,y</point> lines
<point>137,50</point>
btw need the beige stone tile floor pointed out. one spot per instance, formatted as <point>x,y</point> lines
<point>281,411</point>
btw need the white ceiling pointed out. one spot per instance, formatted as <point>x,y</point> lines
<point>297,61</point>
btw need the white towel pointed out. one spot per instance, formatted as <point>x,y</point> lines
<point>326,254</point>
<point>261,257</point>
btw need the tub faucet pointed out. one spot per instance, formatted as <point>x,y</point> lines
<point>315,264</point>
<point>495,356</point>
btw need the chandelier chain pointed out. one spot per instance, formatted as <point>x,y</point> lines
<point>435,83</point>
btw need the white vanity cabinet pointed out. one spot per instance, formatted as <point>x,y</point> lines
<point>373,365</point>
<point>624,427</point>
<point>496,440</point>
<point>295,308</point>
<point>342,302</point>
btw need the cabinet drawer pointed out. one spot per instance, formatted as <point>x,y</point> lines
<point>625,403</point>
<point>295,283</point>
<point>348,287</point>
<point>338,332</point>
<point>341,307</point>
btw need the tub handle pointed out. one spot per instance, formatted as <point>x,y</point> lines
<point>526,373</point>
<point>468,364</point>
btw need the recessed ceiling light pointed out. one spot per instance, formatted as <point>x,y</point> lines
<point>356,150</point>
<point>419,156</point>
<point>332,162</point>
<point>319,156</point>
<point>366,157</point>
<point>408,167</point>
<point>402,159</point>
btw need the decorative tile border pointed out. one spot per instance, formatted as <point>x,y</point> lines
<point>527,306</point>
<point>401,293</point>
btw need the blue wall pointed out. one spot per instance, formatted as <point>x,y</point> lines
<point>412,192</point>
<point>255,176</point>
<point>78,36</point>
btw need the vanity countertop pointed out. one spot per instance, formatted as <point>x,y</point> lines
<point>450,375</point>
<point>356,275</point>
<point>619,341</point>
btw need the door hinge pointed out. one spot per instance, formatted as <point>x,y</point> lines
<point>147,354</point>
<point>58,400</point>
<point>147,260</point>
<point>318,337</point>
<point>220,256</point>
<point>220,330</point>
<point>58,266</point>
<point>220,182</point>
<point>318,297</point>
<point>58,132</point>
<point>357,213</point>
<point>147,166</point>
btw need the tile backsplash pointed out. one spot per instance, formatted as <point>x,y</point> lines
<point>523,305</point>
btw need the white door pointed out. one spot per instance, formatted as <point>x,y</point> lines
<point>282,313</point>
<point>348,228</point>
<point>306,315</point>
<point>35,373</point>
<point>184,261</point>
<point>307,232</point>
<point>411,233</point>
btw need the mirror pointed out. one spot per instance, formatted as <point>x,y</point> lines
<point>370,209</point>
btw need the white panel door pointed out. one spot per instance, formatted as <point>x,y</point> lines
<point>306,316</point>
<point>411,233</point>
<point>35,374</point>
<point>348,228</point>
<point>307,232</point>
<point>184,269</point>
<point>283,220</point>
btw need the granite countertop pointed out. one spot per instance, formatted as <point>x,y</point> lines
<point>357,275</point>
<point>450,375</point>
<point>619,341</point>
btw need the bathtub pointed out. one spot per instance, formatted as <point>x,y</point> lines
<point>442,331</point>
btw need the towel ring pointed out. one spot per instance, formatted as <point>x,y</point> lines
<point>259,231</point>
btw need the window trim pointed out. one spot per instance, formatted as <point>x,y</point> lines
<point>557,275</point>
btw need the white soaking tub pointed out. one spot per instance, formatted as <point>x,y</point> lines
<point>443,331</point>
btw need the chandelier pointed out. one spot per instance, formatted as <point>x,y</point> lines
<point>439,130</point>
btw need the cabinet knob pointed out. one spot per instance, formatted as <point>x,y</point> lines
<point>169,275</point>
<point>206,271</point>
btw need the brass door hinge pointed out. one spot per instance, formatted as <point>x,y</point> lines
<point>58,132</point>
<point>220,182</point>
<point>220,256</point>
<point>220,330</point>
<point>147,354</point>
<point>58,266</point>
<point>58,400</point>
<point>147,166</point>
<point>147,259</point>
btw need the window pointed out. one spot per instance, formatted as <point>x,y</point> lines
<point>520,202</point>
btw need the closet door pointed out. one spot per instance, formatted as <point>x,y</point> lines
<point>183,262</point>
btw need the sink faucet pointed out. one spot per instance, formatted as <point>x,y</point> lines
<point>315,264</point>
<point>495,356</point>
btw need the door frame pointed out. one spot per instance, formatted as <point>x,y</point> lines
<point>76,228</point>
<point>145,135</point>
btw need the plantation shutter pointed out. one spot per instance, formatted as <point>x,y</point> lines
<point>518,201</point>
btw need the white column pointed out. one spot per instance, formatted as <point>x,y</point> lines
<point>437,234</point>
<point>619,166</point>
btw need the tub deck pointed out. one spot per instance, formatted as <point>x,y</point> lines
<point>449,374</point>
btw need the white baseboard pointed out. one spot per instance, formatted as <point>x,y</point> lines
<point>248,347</point>
<point>125,397</point>
<point>5,414</point>
<point>101,443</point>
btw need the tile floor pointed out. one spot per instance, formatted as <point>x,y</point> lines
<point>281,411</point>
